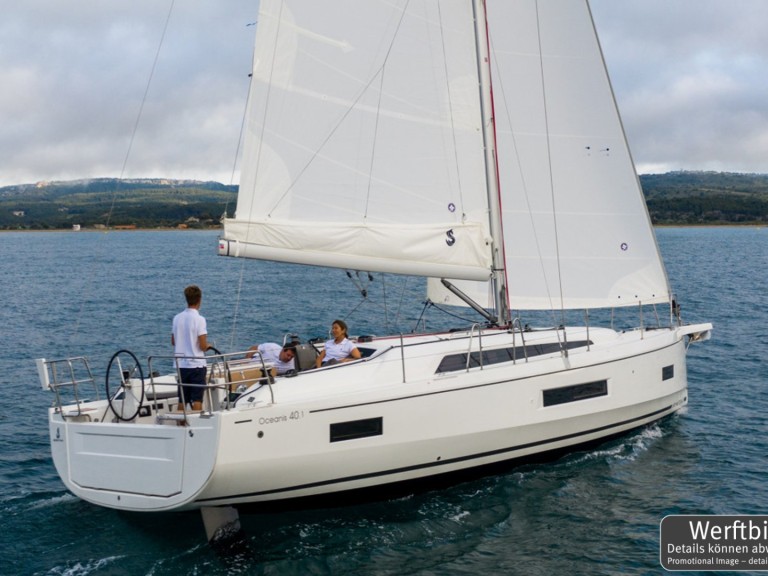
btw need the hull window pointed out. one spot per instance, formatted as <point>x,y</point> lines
<point>456,362</point>
<point>668,372</point>
<point>356,429</point>
<point>573,393</point>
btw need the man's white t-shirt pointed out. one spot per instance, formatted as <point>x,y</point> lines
<point>188,326</point>
<point>271,354</point>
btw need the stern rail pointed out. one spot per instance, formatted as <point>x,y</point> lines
<point>67,375</point>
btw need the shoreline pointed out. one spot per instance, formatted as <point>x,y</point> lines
<point>219,228</point>
<point>91,230</point>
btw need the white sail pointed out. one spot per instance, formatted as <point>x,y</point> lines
<point>363,146</point>
<point>365,149</point>
<point>576,229</point>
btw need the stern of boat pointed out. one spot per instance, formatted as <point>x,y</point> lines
<point>134,466</point>
<point>155,460</point>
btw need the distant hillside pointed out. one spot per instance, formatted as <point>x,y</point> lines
<point>672,198</point>
<point>141,203</point>
<point>706,198</point>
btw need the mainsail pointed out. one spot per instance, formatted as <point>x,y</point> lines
<point>366,144</point>
<point>363,146</point>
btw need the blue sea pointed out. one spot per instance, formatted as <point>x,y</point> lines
<point>591,512</point>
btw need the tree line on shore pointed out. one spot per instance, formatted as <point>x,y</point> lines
<point>114,203</point>
<point>675,198</point>
<point>691,198</point>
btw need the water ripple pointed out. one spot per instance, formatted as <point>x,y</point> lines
<point>592,512</point>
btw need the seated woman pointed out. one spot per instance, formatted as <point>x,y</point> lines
<point>339,348</point>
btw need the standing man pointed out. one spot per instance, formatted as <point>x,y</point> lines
<point>190,341</point>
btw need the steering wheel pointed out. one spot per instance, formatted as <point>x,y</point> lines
<point>122,367</point>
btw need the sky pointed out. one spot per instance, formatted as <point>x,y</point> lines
<point>690,78</point>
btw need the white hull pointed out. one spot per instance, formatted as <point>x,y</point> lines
<point>413,424</point>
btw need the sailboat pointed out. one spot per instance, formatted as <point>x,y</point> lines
<point>476,143</point>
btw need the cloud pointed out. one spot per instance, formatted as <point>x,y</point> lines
<point>74,76</point>
<point>689,76</point>
<point>690,79</point>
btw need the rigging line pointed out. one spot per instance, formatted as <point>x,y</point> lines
<point>359,283</point>
<point>237,305</point>
<point>143,103</point>
<point>257,162</point>
<point>365,293</point>
<point>363,300</point>
<point>549,164</point>
<point>400,302</point>
<point>226,208</point>
<point>373,146</point>
<point>240,135</point>
<point>378,107</point>
<point>267,100</point>
<point>420,319</point>
<point>384,304</point>
<point>316,153</point>
<point>384,297</point>
<point>446,312</point>
<point>89,283</point>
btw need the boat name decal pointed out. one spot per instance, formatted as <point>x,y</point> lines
<point>449,238</point>
<point>292,417</point>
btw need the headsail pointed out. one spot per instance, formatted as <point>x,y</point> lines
<point>576,230</point>
<point>577,233</point>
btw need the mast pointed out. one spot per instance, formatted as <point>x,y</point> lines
<point>482,52</point>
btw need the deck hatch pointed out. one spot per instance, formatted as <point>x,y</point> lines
<point>355,429</point>
<point>567,394</point>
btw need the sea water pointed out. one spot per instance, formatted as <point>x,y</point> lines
<point>591,512</point>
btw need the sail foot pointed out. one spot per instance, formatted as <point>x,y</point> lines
<point>397,249</point>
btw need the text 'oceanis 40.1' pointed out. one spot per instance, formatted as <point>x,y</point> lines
<point>475,143</point>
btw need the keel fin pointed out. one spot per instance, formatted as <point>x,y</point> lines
<point>221,522</point>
